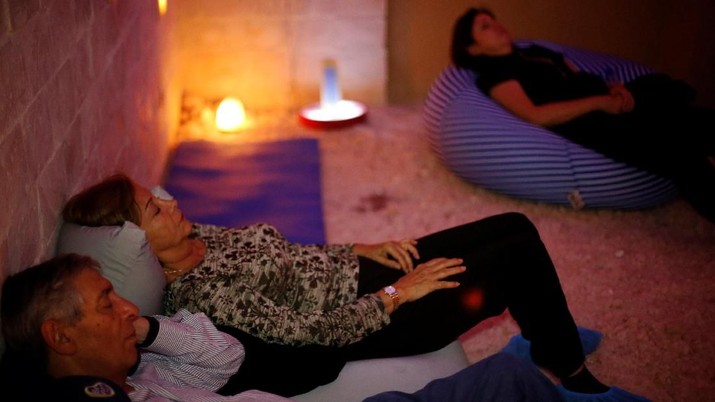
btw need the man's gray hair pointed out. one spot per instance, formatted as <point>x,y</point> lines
<point>37,294</point>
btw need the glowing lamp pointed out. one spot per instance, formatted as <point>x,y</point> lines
<point>162,4</point>
<point>230,115</point>
<point>332,111</point>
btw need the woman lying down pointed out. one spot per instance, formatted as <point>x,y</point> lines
<point>395,298</point>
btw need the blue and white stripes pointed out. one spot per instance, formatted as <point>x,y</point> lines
<point>490,147</point>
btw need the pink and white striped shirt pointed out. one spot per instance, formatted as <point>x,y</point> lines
<point>188,361</point>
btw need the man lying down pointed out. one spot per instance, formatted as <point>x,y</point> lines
<point>69,336</point>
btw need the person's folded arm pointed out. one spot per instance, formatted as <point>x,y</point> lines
<point>188,349</point>
<point>259,315</point>
<point>511,95</point>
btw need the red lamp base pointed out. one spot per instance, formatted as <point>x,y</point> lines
<point>344,113</point>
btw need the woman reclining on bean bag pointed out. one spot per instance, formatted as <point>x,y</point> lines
<point>619,143</point>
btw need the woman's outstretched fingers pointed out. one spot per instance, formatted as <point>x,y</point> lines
<point>400,252</point>
<point>410,245</point>
<point>428,277</point>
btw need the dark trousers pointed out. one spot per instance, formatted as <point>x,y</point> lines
<point>507,267</point>
<point>662,142</point>
<point>663,135</point>
<point>282,369</point>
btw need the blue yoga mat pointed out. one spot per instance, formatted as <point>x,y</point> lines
<point>234,185</point>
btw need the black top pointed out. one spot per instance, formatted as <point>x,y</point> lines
<point>542,73</point>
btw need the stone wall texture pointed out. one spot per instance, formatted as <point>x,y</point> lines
<point>270,53</point>
<point>93,87</point>
<point>87,89</point>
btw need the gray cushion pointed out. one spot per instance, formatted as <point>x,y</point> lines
<point>126,260</point>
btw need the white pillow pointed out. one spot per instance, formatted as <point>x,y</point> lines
<point>126,260</point>
<point>160,192</point>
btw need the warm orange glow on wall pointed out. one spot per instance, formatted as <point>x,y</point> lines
<point>162,6</point>
<point>230,115</point>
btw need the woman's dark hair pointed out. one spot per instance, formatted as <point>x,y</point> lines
<point>462,36</point>
<point>108,203</point>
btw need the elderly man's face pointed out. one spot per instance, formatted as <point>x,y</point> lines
<point>106,339</point>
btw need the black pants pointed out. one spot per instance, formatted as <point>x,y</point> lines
<point>663,135</point>
<point>282,369</point>
<point>507,267</point>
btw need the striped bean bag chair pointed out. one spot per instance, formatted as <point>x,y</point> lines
<point>488,146</point>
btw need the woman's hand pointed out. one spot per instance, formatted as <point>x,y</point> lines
<point>428,277</point>
<point>627,103</point>
<point>423,280</point>
<point>393,254</point>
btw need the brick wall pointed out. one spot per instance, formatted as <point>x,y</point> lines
<point>269,53</point>
<point>87,88</point>
<point>92,87</point>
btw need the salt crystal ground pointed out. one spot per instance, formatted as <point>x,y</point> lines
<point>646,279</point>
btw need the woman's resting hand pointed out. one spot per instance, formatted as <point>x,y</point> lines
<point>393,254</point>
<point>428,277</point>
<point>625,102</point>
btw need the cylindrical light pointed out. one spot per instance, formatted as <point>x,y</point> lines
<point>332,111</point>
<point>330,89</point>
<point>230,115</point>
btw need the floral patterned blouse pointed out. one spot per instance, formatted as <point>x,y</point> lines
<point>253,279</point>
